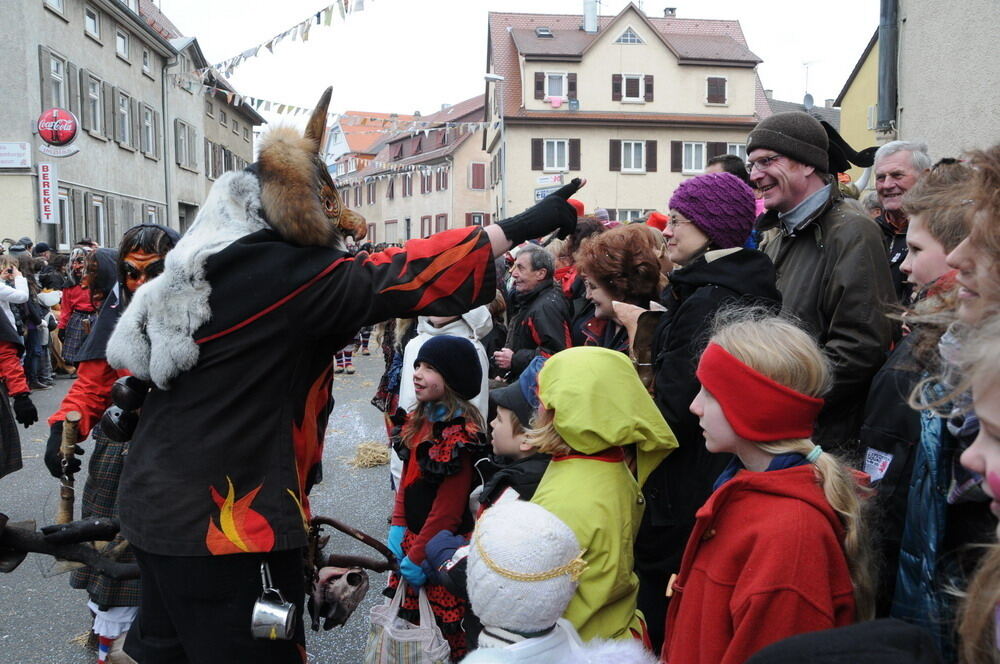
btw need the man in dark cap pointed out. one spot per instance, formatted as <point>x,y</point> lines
<point>830,261</point>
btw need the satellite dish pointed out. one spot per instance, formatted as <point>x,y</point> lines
<point>807,102</point>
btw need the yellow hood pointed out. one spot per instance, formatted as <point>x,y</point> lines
<point>599,402</point>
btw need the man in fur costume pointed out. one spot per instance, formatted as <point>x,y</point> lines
<point>237,338</point>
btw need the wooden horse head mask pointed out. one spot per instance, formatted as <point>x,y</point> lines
<point>298,196</point>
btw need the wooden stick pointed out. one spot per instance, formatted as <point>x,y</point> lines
<point>67,449</point>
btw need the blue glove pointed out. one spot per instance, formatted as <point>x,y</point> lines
<point>396,540</point>
<point>411,571</point>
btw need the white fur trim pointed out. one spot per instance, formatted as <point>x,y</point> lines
<point>154,337</point>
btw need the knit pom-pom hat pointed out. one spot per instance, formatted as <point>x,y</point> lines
<point>523,567</point>
<point>721,205</point>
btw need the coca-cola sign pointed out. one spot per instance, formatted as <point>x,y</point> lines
<point>57,126</point>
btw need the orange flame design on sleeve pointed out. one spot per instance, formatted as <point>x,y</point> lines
<point>307,438</point>
<point>240,529</point>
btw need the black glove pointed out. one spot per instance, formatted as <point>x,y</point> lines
<point>24,410</point>
<point>53,459</point>
<point>549,214</point>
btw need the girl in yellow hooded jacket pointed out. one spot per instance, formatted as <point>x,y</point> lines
<point>605,436</point>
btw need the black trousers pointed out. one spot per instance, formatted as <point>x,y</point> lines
<point>197,610</point>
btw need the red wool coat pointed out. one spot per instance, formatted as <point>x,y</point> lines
<point>765,561</point>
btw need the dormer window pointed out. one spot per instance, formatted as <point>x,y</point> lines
<point>629,37</point>
<point>555,85</point>
<point>543,33</point>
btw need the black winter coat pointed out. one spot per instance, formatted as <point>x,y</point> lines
<point>538,326</point>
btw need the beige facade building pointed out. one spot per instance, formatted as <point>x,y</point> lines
<point>858,103</point>
<point>426,180</point>
<point>635,104</point>
<point>111,63</point>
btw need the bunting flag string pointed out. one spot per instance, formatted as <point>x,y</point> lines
<point>396,169</point>
<point>299,31</point>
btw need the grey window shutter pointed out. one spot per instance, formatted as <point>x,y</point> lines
<point>615,155</point>
<point>574,154</point>
<point>616,87</point>
<point>79,223</point>
<point>571,86</point>
<point>136,122</point>
<point>111,221</point>
<point>109,109</point>
<point>650,156</point>
<point>73,88</point>
<point>539,85</point>
<point>649,87</point>
<point>178,128</point>
<point>537,158</point>
<point>143,139</point>
<point>156,134</point>
<point>192,141</point>
<point>44,71</point>
<point>715,148</point>
<point>676,156</point>
<point>88,222</point>
<point>86,121</point>
<point>114,114</point>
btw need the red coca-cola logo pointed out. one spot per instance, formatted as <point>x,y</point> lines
<point>57,126</point>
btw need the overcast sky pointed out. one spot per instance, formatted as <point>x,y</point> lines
<point>406,55</point>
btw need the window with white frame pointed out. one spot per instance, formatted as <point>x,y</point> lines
<point>150,214</point>
<point>147,61</point>
<point>58,81</point>
<point>629,37</point>
<point>99,219</point>
<point>132,4</point>
<point>124,117</point>
<point>555,85</point>
<point>148,131</point>
<point>628,215</point>
<point>873,116</point>
<point>55,4</point>
<point>92,22</point>
<point>738,149</point>
<point>556,155</point>
<point>633,87</point>
<point>633,156</point>
<point>477,218</point>
<point>694,157</point>
<point>121,43</point>
<point>95,104</point>
<point>65,220</point>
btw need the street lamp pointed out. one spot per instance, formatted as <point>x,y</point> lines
<point>498,79</point>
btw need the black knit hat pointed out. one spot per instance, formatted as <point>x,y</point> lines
<point>794,134</point>
<point>456,359</point>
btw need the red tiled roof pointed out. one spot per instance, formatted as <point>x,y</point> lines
<point>157,20</point>
<point>363,129</point>
<point>504,51</point>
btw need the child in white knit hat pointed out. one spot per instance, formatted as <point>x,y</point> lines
<point>524,564</point>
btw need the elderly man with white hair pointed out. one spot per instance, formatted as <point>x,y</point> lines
<point>898,166</point>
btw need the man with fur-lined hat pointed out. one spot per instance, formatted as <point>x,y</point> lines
<point>236,338</point>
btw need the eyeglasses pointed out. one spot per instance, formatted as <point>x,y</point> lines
<point>674,223</point>
<point>763,162</point>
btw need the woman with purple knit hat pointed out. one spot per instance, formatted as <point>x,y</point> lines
<point>710,220</point>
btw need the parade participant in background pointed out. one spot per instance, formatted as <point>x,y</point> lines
<point>11,343</point>
<point>539,323</point>
<point>711,218</point>
<point>779,548</point>
<point>218,475</point>
<point>605,436</point>
<point>440,441</point>
<point>76,312</point>
<point>119,273</point>
<point>830,262</point>
<point>898,166</point>
<point>891,434</point>
<point>524,565</point>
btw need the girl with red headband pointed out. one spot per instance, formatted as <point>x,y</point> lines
<point>779,547</point>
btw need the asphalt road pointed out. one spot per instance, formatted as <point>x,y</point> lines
<point>40,614</point>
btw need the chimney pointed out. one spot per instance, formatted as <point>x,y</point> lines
<point>670,12</point>
<point>769,94</point>
<point>590,16</point>
<point>828,103</point>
